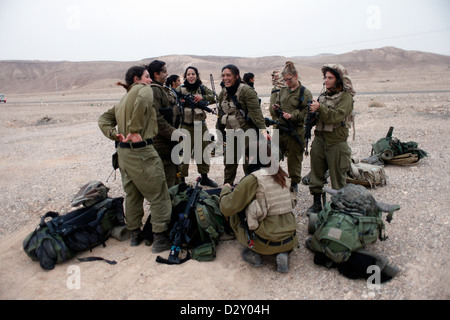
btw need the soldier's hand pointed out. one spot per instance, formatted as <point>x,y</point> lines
<point>120,137</point>
<point>314,106</point>
<point>198,98</point>
<point>133,137</point>
<point>286,115</point>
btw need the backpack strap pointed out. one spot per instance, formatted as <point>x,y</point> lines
<point>87,259</point>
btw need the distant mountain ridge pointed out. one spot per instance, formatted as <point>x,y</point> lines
<point>31,76</point>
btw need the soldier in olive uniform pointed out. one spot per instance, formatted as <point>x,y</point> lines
<point>330,150</point>
<point>278,83</point>
<point>193,86</point>
<point>291,108</point>
<point>267,225</point>
<point>240,108</point>
<point>165,103</point>
<point>140,166</point>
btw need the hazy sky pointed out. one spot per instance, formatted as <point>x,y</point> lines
<point>94,30</point>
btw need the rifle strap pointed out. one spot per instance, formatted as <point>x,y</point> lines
<point>301,97</point>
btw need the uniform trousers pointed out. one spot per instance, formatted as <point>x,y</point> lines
<point>336,158</point>
<point>143,178</point>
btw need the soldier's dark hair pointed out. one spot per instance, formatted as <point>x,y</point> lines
<point>247,78</point>
<point>339,84</point>
<point>170,80</point>
<point>136,71</point>
<point>155,66</point>
<point>234,70</point>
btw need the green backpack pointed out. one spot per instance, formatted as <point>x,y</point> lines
<point>393,151</point>
<point>349,222</point>
<point>209,226</point>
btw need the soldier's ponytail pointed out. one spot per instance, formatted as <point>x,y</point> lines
<point>289,68</point>
<point>136,71</point>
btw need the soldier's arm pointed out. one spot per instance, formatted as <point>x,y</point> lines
<point>250,99</point>
<point>232,202</point>
<point>107,123</point>
<point>164,128</point>
<point>344,108</point>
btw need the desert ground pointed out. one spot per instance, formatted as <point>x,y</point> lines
<point>52,147</point>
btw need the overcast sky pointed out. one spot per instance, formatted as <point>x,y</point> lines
<point>117,30</point>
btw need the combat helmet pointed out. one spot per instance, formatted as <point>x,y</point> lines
<point>356,198</point>
<point>346,80</point>
<point>90,194</point>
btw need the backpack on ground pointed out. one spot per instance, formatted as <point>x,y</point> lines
<point>206,222</point>
<point>366,174</point>
<point>59,238</point>
<point>352,220</point>
<point>392,151</point>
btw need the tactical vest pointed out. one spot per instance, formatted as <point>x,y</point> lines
<point>234,117</point>
<point>190,115</point>
<point>271,199</point>
<point>332,102</point>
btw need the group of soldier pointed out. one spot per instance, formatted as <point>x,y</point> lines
<point>156,107</point>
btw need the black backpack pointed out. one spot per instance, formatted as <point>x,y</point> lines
<point>60,238</point>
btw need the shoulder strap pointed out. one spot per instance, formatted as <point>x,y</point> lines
<point>301,97</point>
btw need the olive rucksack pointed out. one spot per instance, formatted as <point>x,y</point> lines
<point>349,222</point>
<point>207,226</point>
<point>59,237</point>
<point>391,150</point>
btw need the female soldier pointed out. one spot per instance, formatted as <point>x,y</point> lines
<point>193,86</point>
<point>140,166</point>
<point>260,211</point>
<point>330,150</point>
<point>165,102</point>
<point>290,110</point>
<point>240,107</point>
<point>173,81</point>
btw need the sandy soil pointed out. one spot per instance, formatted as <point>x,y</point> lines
<point>43,163</point>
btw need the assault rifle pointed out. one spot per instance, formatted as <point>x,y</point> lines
<point>190,103</point>
<point>213,88</point>
<point>310,122</point>
<point>288,127</point>
<point>181,228</point>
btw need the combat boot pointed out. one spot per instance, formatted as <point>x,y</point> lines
<point>317,205</point>
<point>136,237</point>
<point>252,257</point>
<point>283,262</point>
<point>208,182</point>
<point>160,242</point>
<point>294,187</point>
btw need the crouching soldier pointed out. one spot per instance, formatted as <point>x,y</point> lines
<point>260,211</point>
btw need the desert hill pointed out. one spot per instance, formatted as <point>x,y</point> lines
<point>21,77</point>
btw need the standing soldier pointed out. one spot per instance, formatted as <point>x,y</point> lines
<point>241,110</point>
<point>193,86</point>
<point>140,166</point>
<point>290,110</point>
<point>330,150</point>
<point>165,103</point>
<point>277,83</point>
